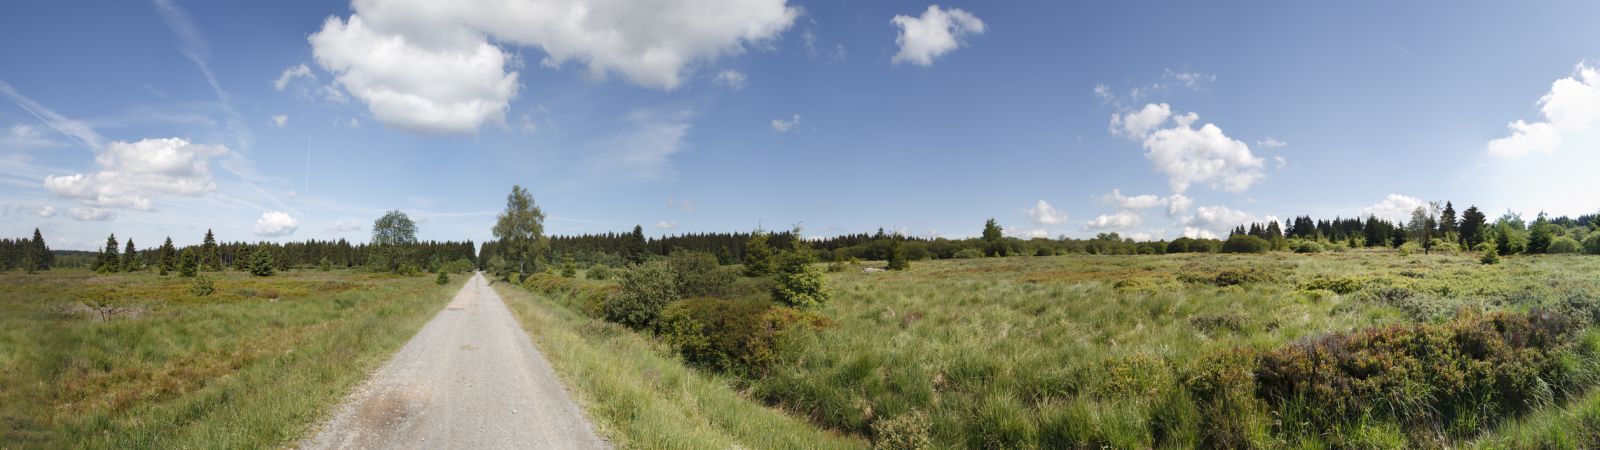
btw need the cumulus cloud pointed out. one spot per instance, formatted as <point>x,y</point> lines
<point>935,33</point>
<point>1189,155</point>
<point>733,79</point>
<point>1121,220</point>
<point>439,66</point>
<point>1196,233</point>
<point>1043,214</point>
<point>290,74</point>
<point>1395,207</point>
<point>27,137</point>
<point>1115,198</point>
<point>1573,104</point>
<point>666,225</point>
<point>91,214</point>
<point>280,120</point>
<point>785,126</point>
<point>1216,217</point>
<point>131,174</point>
<point>275,224</point>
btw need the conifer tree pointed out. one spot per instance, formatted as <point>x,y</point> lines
<point>130,258</point>
<point>758,255</point>
<point>168,256</point>
<point>210,257</point>
<point>108,260</point>
<point>1473,226</point>
<point>40,256</point>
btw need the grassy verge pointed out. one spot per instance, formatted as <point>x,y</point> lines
<point>641,396</point>
<point>136,360</point>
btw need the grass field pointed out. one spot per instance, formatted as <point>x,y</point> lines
<point>1170,352</point>
<point>138,361</point>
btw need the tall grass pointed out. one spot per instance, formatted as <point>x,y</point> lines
<point>136,361</point>
<point>641,396</point>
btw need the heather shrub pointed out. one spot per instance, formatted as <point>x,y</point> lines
<point>699,275</point>
<point>1339,285</point>
<point>908,431</point>
<point>733,336</point>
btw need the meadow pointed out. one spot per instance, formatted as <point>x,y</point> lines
<point>137,360</point>
<point>1362,349</point>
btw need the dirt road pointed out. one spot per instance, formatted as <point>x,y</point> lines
<point>470,379</point>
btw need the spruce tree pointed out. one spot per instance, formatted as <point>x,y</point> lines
<point>210,257</point>
<point>897,254</point>
<point>635,249</point>
<point>168,256</point>
<point>758,255</point>
<point>188,262</point>
<point>40,254</point>
<point>130,258</point>
<point>1473,226</point>
<point>798,282</point>
<point>1447,221</point>
<point>109,261</point>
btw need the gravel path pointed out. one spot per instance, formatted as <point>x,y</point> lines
<point>470,379</point>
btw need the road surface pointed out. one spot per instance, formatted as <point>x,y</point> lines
<point>470,379</point>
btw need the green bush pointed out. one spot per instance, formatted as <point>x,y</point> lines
<point>1300,246</point>
<point>1339,285</point>
<point>442,279</point>
<point>1563,244</point>
<point>202,287</point>
<point>1591,245</point>
<point>1235,277</point>
<point>733,336</point>
<point>699,275</point>
<point>646,289</point>
<point>261,263</point>
<point>907,431</point>
<point>1241,243</point>
<point>968,253</point>
<point>1490,257</point>
<point>1481,368</point>
<point>458,266</point>
<point>599,272</point>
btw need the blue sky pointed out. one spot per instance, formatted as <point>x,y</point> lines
<point>306,120</point>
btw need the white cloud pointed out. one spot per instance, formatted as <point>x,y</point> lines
<point>1043,214</point>
<point>733,79</point>
<point>1188,155</point>
<point>785,126</point>
<point>275,224</point>
<point>132,173</point>
<point>1196,233</point>
<point>439,67</point>
<point>280,120</point>
<point>1217,217</point>
<point>290,74</point>
<point>80,131</point>
<point>1139,123</point>
<point>1192,80</point>
<point>25,137</point>
<point>1178,205</point>
<point>666,225</point>
<point>1024,233</point>
<point>1270,142</point>
<point>1121,220</point>
<point>46,211</point>
<point>1573,104</point>
<point>936,32</point>
<point>1395,207</point>
<point>345,226</point>
<point>91,214</point>
<point>644,151</point>
<point>1115,198</point>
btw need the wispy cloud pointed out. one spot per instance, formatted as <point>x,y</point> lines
<point>78,131</point>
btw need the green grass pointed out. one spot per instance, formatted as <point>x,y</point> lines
<point>639,395</point>
<point>1086,351</point>
<point>136,361</point>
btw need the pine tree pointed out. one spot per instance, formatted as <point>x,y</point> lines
<point>210,256</point>
<point>168,256</point>
<point>897,254</point>
<point>635,250</point>
<point>798,283</point>
<point>130,258</point>
<point>1447,221</point>
<point>758,255</point>
<point>189,263</point>
<point>109,261</point>
<point>1473,226</point>
<point>39,254</point>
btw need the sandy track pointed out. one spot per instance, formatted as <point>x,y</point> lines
<point>470,379</point>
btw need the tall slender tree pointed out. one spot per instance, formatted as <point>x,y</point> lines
<point>40,257</point>
<point>130,258</point>
<point>108,260</point>
<point>210,256</point>
<point>520,232</point>
<point>1473,225</point>
<point>168,256</point>
<point>634,250</point>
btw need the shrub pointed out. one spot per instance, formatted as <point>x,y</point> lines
<point>442,279</point>
<point>324,265</point>
<point>797,282</point>
<point>202,287</point>
<point>1591,245</point>
<point>1563,244</point>
<point>1410,248</point>
<point>968,253</point>
<point>599,272</point>
<point>1241,243</point>
<point>261,263</point>
<point>733,336</point>
<point>699,275</point>
<point>1490,256</point>
<point>1235,277</point>
<point>1339,285</point>
<point>458,266</point>
<point>907,431</point>
<point>1305,247</point>
<point>646,288</point>
<point>1422,376</point>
